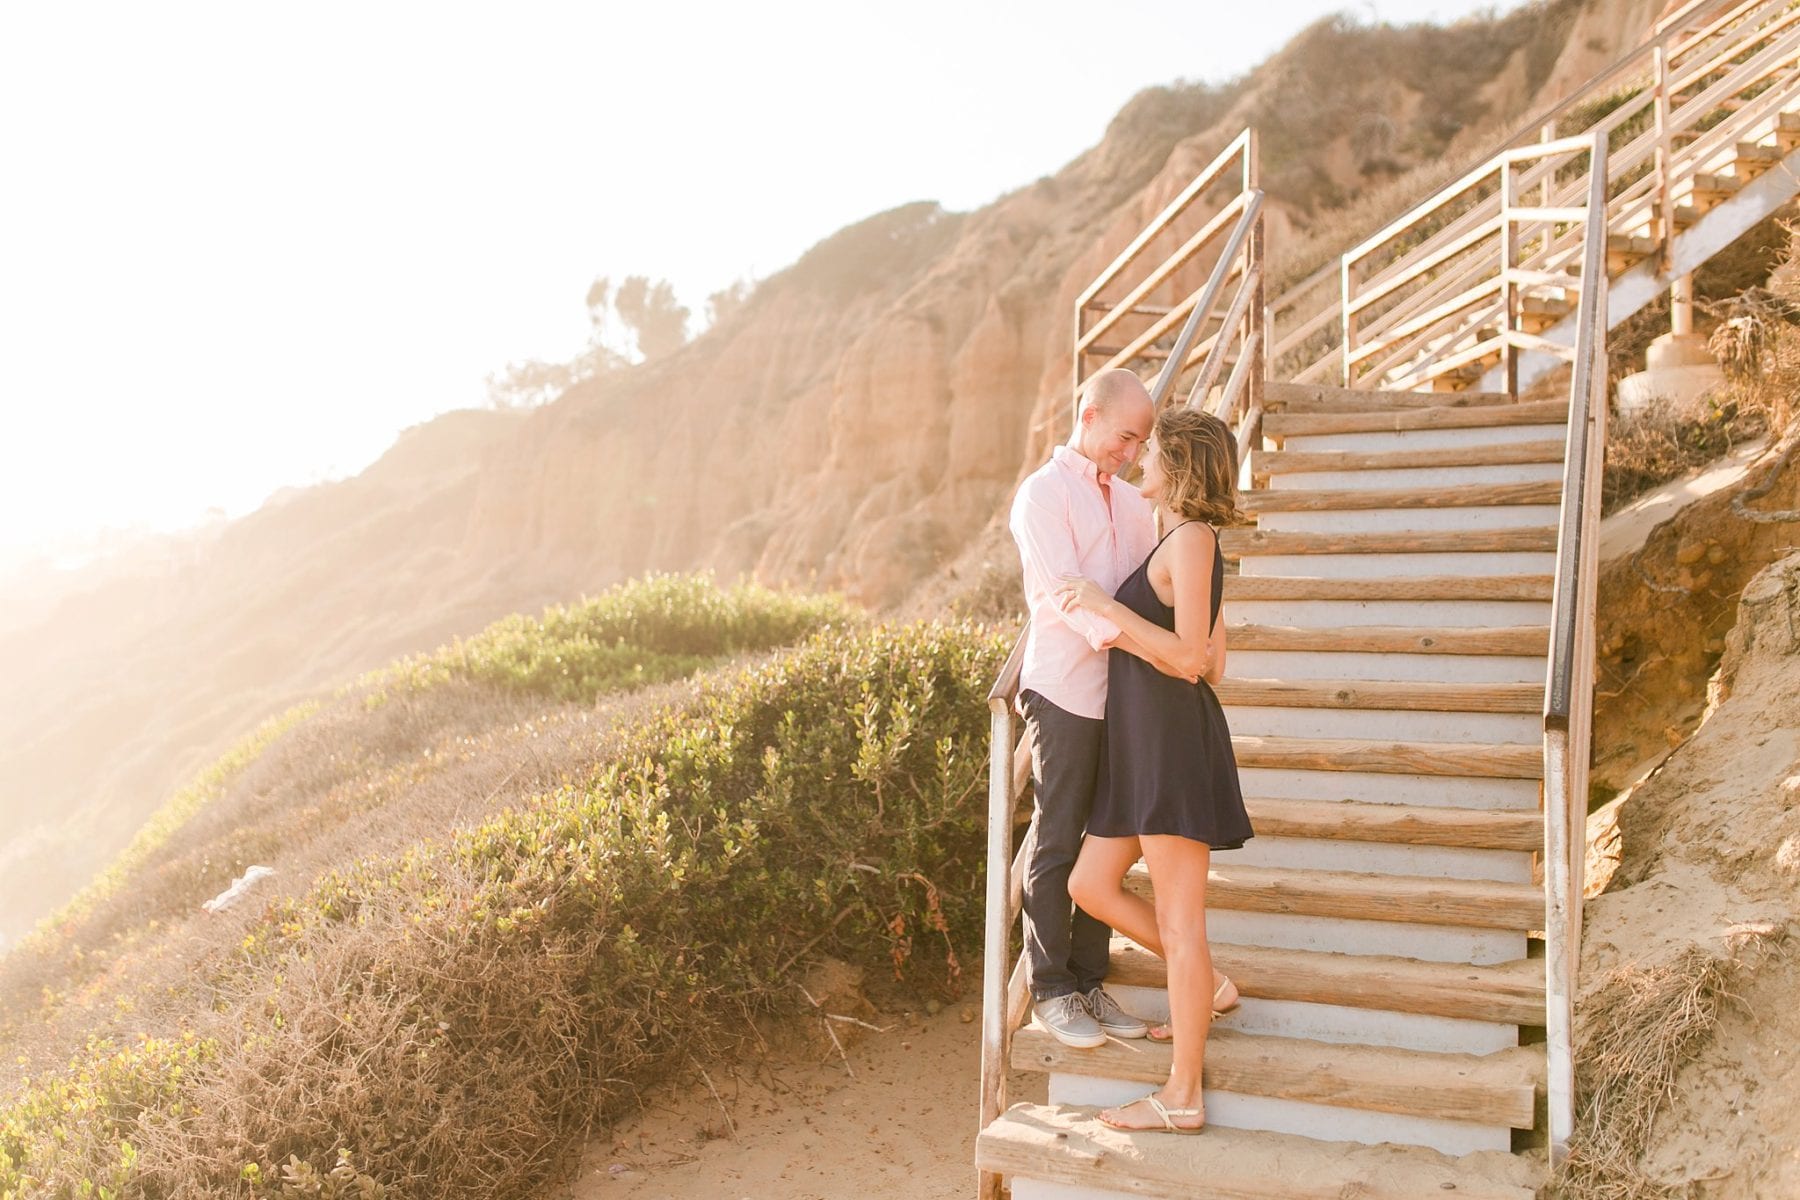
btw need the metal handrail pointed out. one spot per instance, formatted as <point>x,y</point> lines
<point>1568,694</point>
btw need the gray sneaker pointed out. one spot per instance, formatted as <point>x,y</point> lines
<point>1069,1021</point>
<point>1113,1019</point>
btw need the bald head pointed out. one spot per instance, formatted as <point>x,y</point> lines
<point>1114,421</point>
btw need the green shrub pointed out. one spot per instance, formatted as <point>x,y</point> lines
<point>454,1018</point>
<point>651,629</point>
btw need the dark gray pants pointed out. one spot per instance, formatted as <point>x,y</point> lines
<point>1064,951</point>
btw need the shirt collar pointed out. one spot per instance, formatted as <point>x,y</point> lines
<point>1080,463</point>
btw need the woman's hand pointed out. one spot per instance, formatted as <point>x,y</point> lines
<point>1077,592</point>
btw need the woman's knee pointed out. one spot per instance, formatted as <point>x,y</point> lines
<point>1088,884</point>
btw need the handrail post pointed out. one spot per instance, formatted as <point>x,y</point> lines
<point>1256,322</point>
<point>1662,222</point>
<point>994,952</point>
<point>1509,287</point>
<point>1348,330</point>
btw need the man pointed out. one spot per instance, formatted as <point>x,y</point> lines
<point>1073,516</point>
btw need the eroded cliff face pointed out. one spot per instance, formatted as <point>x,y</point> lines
<point>858,424</point>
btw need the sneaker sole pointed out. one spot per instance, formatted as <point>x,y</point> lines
<point>1076,1041</point>
<point>1136,1031</point>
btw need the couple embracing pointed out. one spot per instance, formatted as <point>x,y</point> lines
<point>1131,756</point>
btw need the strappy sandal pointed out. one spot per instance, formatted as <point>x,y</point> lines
<point>1225,1000</point>
<point>1166,1114</point>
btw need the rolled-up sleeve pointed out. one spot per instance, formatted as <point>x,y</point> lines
<point>1047,550</point>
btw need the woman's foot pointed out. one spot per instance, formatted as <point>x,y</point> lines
<point>1225,999</point>
<point>1153,1115</point>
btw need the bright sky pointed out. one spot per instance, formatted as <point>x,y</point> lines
<point>242,245</point>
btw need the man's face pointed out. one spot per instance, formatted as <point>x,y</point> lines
<point>1113,436</point>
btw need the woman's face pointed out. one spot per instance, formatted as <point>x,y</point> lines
<point>1151,464</point>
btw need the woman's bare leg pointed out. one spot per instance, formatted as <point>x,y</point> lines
<point>1097,884</point>
<point>1178,866</point>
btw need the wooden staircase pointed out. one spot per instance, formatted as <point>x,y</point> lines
<point>1388,632</point>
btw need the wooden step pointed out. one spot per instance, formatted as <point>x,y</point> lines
<point>1419,587</point>
<point>1508,993</point>
<point>1753,158</point>
<point>1492,1089</point>
<point>1292,462</point>
<point>1392,639</point>
<point>1239,543</point>
<point>1537,412</point>
<point>1787,132</point>
<point>1482,760</point>
<point>1548,491</point>
<point>1322,398</point>
<point>1398,824</point>
<point>1360,896</point>
<point>1068,1146</point>
<point>1710,187</point>
<point>1383,695</point>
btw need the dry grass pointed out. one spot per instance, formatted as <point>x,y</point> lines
<point>1639,1027</point>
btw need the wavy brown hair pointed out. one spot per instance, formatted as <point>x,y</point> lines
<point>1198,456</point>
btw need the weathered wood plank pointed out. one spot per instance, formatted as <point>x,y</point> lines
<point>1508,993</point>
<point>1403,824</point>
<point>1288,462</point>
<point>1537,412</point>
<point>1495,1089</point>
<point>1323,398</point>
<point>1493,761</point>
<point>1397,695</point>
<point>1067,1145</point>
<point>1548,491</point>
<point>1399,587</point>
<point>1393,639</point>
<point>1239,543</point>
<point>1414,899</point>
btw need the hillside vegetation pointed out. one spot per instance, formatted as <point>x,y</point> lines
<point>446,1015</point>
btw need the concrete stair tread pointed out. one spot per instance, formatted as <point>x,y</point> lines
<point>1416,587</point>
<point>1501,760</point>
<point>1264,463</point>
<point>1323,398</point>
<point>1064,1144</point>
<point>1242,543</point>
<point>1403,824</point>
<point>1366,896</point>
<point>1538,412</point>
<point>1382,695</point>
<point>1392,639</point>
<point>1507,993</point>
<point>1547,491</point>
<point>1497,1089</point>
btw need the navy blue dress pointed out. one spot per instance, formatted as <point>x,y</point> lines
<point>1166,765</point>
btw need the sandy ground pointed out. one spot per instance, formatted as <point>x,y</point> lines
<point>897,1121</point>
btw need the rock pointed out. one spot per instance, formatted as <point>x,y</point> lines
<point>933,1007</point>
<point>967,1015</point>
<point>240,887</point>
<point>1690,552</point>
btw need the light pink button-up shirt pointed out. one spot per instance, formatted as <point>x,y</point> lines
<point>1064,525</point>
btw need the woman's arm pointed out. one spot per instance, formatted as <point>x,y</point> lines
<point>1188,648</point>
<point>1128,644</point>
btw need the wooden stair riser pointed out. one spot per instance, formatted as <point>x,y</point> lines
<point>1463,669</point>
<point>1423,439</point>
<point>1340,895</point>
<point>1398,824</point>
<point>1244,588</point>
<point>1434,943</point>
<point>1391,639</point>
<point>1370,725</point>
<point>1419,862</point>
<point>1397,496</point>
<point>1282,397</point>
<point>1385,566</point>
<point>1497,1088</point>
<point>1337,1023</point>
<point>1369,787</point>
<point>1423,478</point>
<point>1235,1110</point>
<point>1342,614</point>
<point>1456,453</point>
<point>1298,425</point>
<point>1378,696</point>
<point>1523,761</point>
<point>1391,548</point>
<point>1407,520</point>
<point>1084,1159</point>
<point>1506,993</point>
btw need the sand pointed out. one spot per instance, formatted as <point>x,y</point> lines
<point>806,1129</point>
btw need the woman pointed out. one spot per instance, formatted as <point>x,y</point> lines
<point>1168,782</point>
